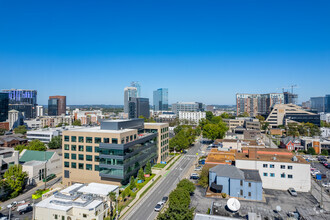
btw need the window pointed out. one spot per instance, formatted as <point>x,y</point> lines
<point>66,155</point>
<point>66,164</point>
<point>73,165</point>
<point>89,149</point>
<point>81,166</point>
<point>114,140</point>
<point>89,140</point>
<point>127,139</point>
<point>73,147</point>
<point>96,158</point>
<point>241,182</point>
<point>122,141</point>
<point>265,165</point>
<point>66,174</point>
<point>81,148</point>
<point>81,139</point>
<point>73,139</point>
<point>89,167</point>
<point>249,184</point>
<point>265,174</point>
<point>85,215</point>
<point>66,147</point>
<point>249,194</point>
<point>272,174</point>
<point>66,138</point>
<point>97,168</point>
<point>272,166</point>
<point>81,157</point>
<point>63,217</point>
<point>106,140</point>
<point>97,149</point>
<point>290,167</point>
<point>131,137</point>
<point>56,217</point>
<point>282,166</point>
<point>241,192</point>
<point>97,140</point>
<point>73,156</point>
<point>134,136</point>
<point>283,175</point>
<point>290,176</point>
<point>89,157</point>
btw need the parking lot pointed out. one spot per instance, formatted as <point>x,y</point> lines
<point>322,169</point>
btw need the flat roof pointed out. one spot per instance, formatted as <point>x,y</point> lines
<point>155,123</point>
<point>270,158</point>
<point>99,130</point>
<point>98,188</point>
<point>34,163</point>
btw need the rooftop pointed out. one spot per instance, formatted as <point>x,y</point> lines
<point>98,189</point>
<point>34,163</point>
<point>29,155</point>
<point>99,130</point>
<point>220,157</point>
<point>228,171</point>
<point>252,175</point>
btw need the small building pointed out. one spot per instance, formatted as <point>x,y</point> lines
<point>77,201</point>
<point>12,140</point>
<point>290,143</point>
<point>35,162</point>
<point>8,158</point>
<point>220,157</point>
<point>235,182</point>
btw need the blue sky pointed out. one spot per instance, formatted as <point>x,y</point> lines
<point>200,50</point>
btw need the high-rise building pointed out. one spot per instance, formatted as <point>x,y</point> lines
<point>290,98</point>
<point>113,152</point>
<point>22,100</point>
<point>161,99</point>
<point>40,111</point>
<point>4,102</point>
<point>327,103</point>
<point>321,103</point>
<point>129,92</point>
<point>15,119</point>
<point>187,107</point>
<point>138,88</point>
<point>138,107</point>
<point>56,105</point>
<point>257,104</point>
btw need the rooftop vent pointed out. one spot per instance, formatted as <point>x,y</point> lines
<point>294,158</point>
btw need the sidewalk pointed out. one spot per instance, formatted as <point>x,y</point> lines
<point>161,173</point>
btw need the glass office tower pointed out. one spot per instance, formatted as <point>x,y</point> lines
<point>161,99</point>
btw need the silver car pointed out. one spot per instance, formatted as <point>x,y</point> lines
<point>292,192</point>
<point>159,206</point>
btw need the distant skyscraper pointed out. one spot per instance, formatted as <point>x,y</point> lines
<point>129,92</point>
<point>4,102</point>
<point>40,111</point>
<point>56,105</point>
<point>320,104</point>
<point>139,107</point>
<point>22,100</point>
<point>161,99</point>
<point>257,104</point>
<point>138,87</point>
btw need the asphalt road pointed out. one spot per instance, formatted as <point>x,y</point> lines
<point>145,208</point>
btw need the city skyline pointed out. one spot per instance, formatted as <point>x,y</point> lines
<point>202,52</point>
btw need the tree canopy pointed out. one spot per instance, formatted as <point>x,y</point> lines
<point>14,180</point>
<point>148,168</point>
<point>33,145</point>
<point>20,129</point>
<point>76,122</point>
<point>302,129</point>
<point>187,185</point>
<point>141,174</point>
<point>55,143</point>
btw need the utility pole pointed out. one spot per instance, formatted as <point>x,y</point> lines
<point>45,173</point>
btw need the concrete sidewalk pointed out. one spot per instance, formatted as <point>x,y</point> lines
<point>161,173</point>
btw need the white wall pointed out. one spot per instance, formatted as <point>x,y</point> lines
<point>301,180</point>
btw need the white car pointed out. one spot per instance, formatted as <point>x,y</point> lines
<point>326,185</point>
<point>159,206</point>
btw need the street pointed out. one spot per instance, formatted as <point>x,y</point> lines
<point>145,208</point>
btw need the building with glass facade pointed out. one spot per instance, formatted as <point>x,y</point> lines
<point>138,107</point>
<point>113,152</point>
<point>4,102</point>
<point>56,105</point>
<point>187,107</point>
<point>161,99</point>
<point>24,101</point>
<point>129,92</point>
<point>320,104</point>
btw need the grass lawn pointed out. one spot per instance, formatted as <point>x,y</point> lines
<point>159,165</point>
<point>39,193</point>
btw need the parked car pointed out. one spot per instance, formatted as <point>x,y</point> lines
<point>328,166</point>
<point>325,164</point>
<point>25,210</point>
<point>326,185</point>
<point>194,176</point>
<point>159,206</point>
<point>199,168</point>
<point>292,192</point>
<point>164,199</point>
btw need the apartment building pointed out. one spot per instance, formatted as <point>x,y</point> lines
<point>187,107</point>
<point>282,114</point>
<point>278,168</point>
<point>248,123</point>
<point>192,118</point>
<point>78,201</point>
<point>112,152</point>
<point>53,121</point>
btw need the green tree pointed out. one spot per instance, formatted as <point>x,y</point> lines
<point>55,143</point>
<point>132,183</point>
<point>245,114</point>
<point>37,145</point>
<point>2,131</point>
<point>20,129</point>
<point>324,152</point>
<point>148,168</point>
<point>204,177</point>
<point>112,198</point>
<point>265,125</point>
<point>215,131</point>
<point>177,213</point>
<point>311,151</point>
<point>15,179</point>
<point>76,122</point>
<point>179,142</point>
<point>209,115</point>
<point>187,185</point>
<point>20,148</point>
<point>141,174</point>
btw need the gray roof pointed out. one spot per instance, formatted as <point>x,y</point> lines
<point>228,171</point>
<point>251,175</point>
